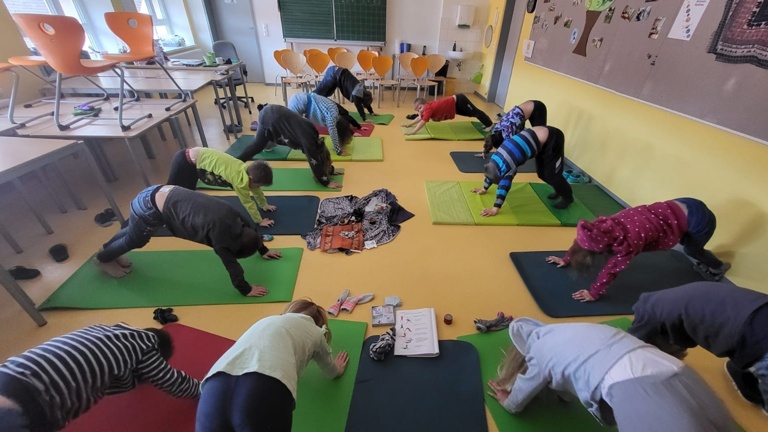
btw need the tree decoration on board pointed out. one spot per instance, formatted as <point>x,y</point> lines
<point>594,9</point>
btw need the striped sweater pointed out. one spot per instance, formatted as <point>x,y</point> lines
<point>70,373</point>
<point>320,111</point>
<point>510,155</point>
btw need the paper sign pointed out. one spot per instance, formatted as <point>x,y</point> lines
<point>528,48</point>
<point>687,19</point>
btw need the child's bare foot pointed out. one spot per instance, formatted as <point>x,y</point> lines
<point>111,268</point>
<point>123,262</point>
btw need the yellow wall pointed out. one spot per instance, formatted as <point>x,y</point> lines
<point>488,55</point>
<point>644,154</point>
<point>13,45</point>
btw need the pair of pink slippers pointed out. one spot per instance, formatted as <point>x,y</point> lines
<point>347,303</point>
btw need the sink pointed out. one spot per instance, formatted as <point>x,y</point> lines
<point>460,55</point>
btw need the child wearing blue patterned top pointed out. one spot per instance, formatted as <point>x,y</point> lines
<point>323,112</point>
<point>544,143</point>
<point>513,122</point>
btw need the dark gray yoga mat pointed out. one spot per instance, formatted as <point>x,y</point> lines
<point>443,393</point>
<point>295,214</point>
<point>466,162</point>
<point>551,287</point>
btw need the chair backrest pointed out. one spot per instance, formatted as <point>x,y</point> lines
<point>405,60</point>
<point>419,66</point>
<point>309,51</point>
<point>59,39</point>
<point>294,62</point>
<point>346,60</point>
<point>436,62</point>
<point>278,54</point>
<point>364,58</point>
<point>227,50</point>
<point>136,30</point>
<point>318,61</point>
<point>333,51</point>
<point>382,65</point>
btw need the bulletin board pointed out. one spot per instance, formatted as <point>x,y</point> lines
<point>664,52</point>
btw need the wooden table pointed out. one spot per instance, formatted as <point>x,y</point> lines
<point>19,156</point>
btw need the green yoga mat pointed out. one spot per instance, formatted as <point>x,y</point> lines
<point>446,204</point>
<point>324,401</point>
<point>176,278</point>
<point>569,216</point>
<point>236,149</point>
<point>362,149</point>
<point>288,179</point>
<point>522,206</point>
<point>381,119</point>
<point>449,131</point>
<point>545,412</point>
<point>596,200</point>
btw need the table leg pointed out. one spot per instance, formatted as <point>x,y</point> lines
<point>161,132</point>
<point>233,94</point>
<point>285,92</point>
<point>9,238</point>
<point>23,192</point>
<point>79,204</point>
<point>54,196</point>
<point>137,162</point>
<point>174,122</point>
<point>103,163</point>
<point>199,124</point>
<point>231,127</point>
<point>148,150</point>
<point>21,297</point>
<point>102,184</point>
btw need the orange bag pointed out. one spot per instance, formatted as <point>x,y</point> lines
<point>342,237</point>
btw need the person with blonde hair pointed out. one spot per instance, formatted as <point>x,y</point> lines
<point>253,385</point>
<point>618,378</point>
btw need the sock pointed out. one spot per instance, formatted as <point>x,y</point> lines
<point>386,342</point>
<point>485,325</point>
<point>351,302</point>
<point>334,310</point>
<point>504,323</point>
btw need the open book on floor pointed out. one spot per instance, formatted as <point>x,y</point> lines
<point>416,333</point>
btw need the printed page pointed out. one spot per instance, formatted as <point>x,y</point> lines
<point>415,333</point>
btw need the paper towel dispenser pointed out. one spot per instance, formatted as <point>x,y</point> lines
<point>466,16</point>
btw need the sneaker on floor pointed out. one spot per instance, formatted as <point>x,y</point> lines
<point>745,384</point>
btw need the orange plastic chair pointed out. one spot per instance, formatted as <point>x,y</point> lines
<point>346,59</point>
<point>333,51</point>
<point>278,55</point>
<point>419,67</point>
<point>319,62</point>
<point>406,76</point>
<point>436,62</point>
<point>59,39</point>
<point>381,66</point>
<point>137,31</point>
<point>364,58</point>
<point>295,63</point>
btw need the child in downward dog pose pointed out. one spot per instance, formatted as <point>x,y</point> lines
<point>547,145</point>
<point>253,386</point>
<point>619,379</point>
<point>445,109</point>
<point>513,122</point>
<point>653,227</point>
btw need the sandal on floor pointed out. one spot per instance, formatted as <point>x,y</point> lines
<point>59,252</point>
<point>23,273</point>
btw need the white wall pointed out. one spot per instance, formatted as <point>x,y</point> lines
<point>469,39</point>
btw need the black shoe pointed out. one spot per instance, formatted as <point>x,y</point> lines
<point>563,203</point>
<point>23,273</point>
<point>745,383</point>
<point>110,214</point>
<point>103,219</point>
<point>411,116</point>
<point>59,252</point>
<point>553,196</point>
<point>165,316</point>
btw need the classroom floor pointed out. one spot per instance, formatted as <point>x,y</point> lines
<point>461,270</point>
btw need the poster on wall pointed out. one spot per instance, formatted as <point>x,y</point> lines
<point>688,19</point>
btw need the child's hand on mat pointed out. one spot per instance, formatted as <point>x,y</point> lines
<point>334,185</point>
<point>555,260</point>
<point>357,134</point>
<point>479,191</point>
<point>344,153</point>
<point>257,291</point>
<point>493,211</point>
<point>338,171</point>
<point>583,296</point>
<point>272,255</point>
<point>270,207</point>
<point>266,222</point>
<point>341,361</point>
<point>501,394</point>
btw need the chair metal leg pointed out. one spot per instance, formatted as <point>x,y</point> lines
<point>221,112</point>
<point>247,98</point>
<point>120,102</point>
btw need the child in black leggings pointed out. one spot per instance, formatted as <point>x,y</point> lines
<point>446,109</point>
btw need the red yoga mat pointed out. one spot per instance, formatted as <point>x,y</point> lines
<point>365,131</point>
<point>149,409</point>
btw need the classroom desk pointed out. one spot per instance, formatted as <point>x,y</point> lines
<point>93,130</point>
<point>19,156</point>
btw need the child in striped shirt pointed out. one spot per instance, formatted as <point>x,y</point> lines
<point>513,122</point>
<point>547,145</point>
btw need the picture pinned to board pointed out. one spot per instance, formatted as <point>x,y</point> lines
<point>528,48</point>
<point>557,18</point>
<point>643,14</point>
<point>552,7</point>
<point>547,1</point>
<point>576,2</point>
<point>609,15</point>
<point>574,35</point>
<point>536,19</point>
<point>531,6</point>
<point>567,23</point>
<point>656,28</point>
<point>544,25</point>
<point>597,42</point>
<point>628,14</point>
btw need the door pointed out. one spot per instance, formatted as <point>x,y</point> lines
<point>232,20</point>
<point>511,26</point>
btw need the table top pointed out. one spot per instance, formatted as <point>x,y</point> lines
<point>187,82</point>
<point>106,125</point>
<point>15,152</point>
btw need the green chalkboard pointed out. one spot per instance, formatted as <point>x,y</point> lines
<point>303,19</point>
<point>337,20</point>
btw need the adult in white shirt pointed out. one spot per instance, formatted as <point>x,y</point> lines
<point>253,385</point>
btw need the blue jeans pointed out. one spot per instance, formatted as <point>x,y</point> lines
<point>145,219</point>
<point>760,370</point>
<point>329,83</point>
<point>701,227</point>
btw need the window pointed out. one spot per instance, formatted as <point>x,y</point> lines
<point>156,8</point>
<point>73,8</point>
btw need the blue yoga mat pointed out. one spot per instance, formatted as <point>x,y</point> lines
<point>443,393</point>
<point>467,162</point>
<point>551,287</point>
